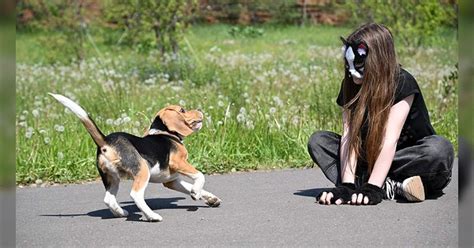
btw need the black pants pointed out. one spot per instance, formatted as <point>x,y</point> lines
<point>431,158</point>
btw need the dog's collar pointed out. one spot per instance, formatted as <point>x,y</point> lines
<point>173,135</point>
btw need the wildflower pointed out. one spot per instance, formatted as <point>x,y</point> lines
<point>249,124</point>
<point>126,119</point>
<point>35,112</point>
<point>214,49</point>
<point>294,78</point>
<point>272,110</point>
<point>109,121</point>
<point>60,155</point>
<point>182,102</point>
<point>22,118</point>
<point>277,101</point>
<point>59,128</point>
<point>28,134</point>
<point>118,121</point>
<point>220,103</point>
<point>42,131</point>
<point>295,120</point>
<point>240,118</point>
<point>22,123</point>
<point>47,140</point>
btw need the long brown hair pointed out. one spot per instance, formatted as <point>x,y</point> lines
<point>369,103</point>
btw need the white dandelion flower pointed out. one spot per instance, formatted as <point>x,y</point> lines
<point>277,101</point>
<point>272,110</point>
<point>59,128</point>
<point>182,102</point>
<point>249,124</point>
<point>295,120</point>
<point>60,156</point>
<point>240,118</point>
<point>47,140</point>
<point>126,119</point>
<point>118,121</point>
<point>28,134</point>
<point>35,112</point>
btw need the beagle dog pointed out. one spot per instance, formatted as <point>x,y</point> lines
<point>158,157</point>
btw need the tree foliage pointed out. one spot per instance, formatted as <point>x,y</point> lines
<point>65,16</point>
<point>411,20</point>
<point>150,23</point>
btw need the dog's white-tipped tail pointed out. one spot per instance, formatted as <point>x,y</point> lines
<point>76,109</point>
<point>91,127</point>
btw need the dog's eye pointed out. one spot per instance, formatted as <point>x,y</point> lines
<point>182,110</point>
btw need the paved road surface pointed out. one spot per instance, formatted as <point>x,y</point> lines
<point>260,209</point>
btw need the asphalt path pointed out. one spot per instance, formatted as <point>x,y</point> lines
<point>259,209</point>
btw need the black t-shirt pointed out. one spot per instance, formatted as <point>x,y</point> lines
<point>417,124</point>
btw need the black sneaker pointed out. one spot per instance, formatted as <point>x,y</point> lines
<point>411,189</point>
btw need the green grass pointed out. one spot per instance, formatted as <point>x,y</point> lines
<point>262,97</point>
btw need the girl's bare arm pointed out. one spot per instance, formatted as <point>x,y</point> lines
<point>396,119</point>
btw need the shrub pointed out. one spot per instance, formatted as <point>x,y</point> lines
<point>411,20</point>
<point>151,24</point>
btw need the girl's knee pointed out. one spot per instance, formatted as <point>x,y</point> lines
<point>318,139</point>
<point>440,151</point>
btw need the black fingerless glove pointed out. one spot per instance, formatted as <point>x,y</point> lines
<point>343,192</point>
<point>374,193</point>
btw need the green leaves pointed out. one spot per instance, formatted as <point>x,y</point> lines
<point>151,24</point>
<point>412,21</point>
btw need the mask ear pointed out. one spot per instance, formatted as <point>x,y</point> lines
<point>362,49</point>
<point>344,41</point>
<point>175,122</point>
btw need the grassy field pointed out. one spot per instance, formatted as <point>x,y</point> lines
<point>262,97</point>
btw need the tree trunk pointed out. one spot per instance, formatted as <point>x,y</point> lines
<point>159,38</point>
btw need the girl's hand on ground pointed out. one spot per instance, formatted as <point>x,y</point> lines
<point>368,194</point>
<point>338,195</point>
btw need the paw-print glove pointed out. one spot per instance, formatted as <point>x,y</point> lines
<point>343,192</point>
<point>374,193</point>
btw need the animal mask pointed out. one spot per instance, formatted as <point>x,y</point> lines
<point>355,54</point>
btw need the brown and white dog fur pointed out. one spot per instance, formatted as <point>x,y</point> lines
<point>158,157</point>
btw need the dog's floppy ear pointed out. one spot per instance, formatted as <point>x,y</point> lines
<point>175,122</point>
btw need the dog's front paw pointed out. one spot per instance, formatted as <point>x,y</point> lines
<point>213,202</point>
<point>154,217</point>
<point>195,195</point>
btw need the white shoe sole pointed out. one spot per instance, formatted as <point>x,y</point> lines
<point>413,189</point>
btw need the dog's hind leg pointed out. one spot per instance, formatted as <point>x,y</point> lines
<point>140,181</point>
<point>186,188</point>
<point>111,182</point>
<point>111,200</point>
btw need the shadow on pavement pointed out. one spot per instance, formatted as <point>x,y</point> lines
<point>134,212</point>
<point>310,192</point>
